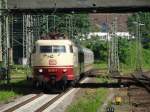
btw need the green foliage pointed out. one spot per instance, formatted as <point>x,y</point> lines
<point>82,23</point>
<point>99,48</point>
<point>6,95</point>
<point>90,101</point>
<point>130,59</point>
<point>126,51</point>
<point>123,49</point>
<point>143,18</point>
<point>146,58</point>
<point>69,23</point>
<point>100,65</point>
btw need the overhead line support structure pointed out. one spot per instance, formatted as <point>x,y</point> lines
<point>113,59</point>
<point>4,37</point>
<point>139,60</point>
<point>27,38</point>
<point>34,26</point>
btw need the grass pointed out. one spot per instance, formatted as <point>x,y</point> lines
<point>19,71</point>
<point>7,92</point>
<point>90,101</point>
<point>6,95</point>
<point>14,89</point>
<point>100,65</point>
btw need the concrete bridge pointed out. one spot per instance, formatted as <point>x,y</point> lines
<point>78,5</point>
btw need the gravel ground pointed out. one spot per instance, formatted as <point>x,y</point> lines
<point>125,105</point>
<point>109,98</point>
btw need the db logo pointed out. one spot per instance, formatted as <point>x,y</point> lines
<point>52,62</point>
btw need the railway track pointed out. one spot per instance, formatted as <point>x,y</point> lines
<point>138,91</point>
<point>139,95</point>
<point>144,80</point>
<point>39,102</point>
<point>46,105</point>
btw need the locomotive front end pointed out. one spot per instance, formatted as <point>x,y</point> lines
<point>53,62</point>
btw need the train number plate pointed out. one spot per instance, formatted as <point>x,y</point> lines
<point>52,62</point>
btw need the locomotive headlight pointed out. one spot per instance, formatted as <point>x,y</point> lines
<point>64,70</point>
<point>40,70</point>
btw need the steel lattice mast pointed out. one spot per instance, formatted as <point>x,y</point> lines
<point>138,44</point>
<point>27,37</point>
<point>1,23</point>
<point>5,37</point>
<point>113,59</point>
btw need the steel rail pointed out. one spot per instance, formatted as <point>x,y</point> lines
<point>43,107</point>
<point>142,83</point>
<point>23,103</point>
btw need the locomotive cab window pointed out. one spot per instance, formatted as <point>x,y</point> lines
<point>45,49</point>
<point>52,49</point>
<point>59,49</point>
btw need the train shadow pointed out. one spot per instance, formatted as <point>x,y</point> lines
<point>98,85</point>
<point>25,87</point>
<point>22,87</point>
<point>104,83</point>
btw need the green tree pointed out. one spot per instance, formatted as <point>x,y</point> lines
<point>70,24</point>
<point>123,50</point>
<point>99,47</point>
<point>143,18</point>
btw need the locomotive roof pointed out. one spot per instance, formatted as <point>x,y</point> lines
<point>54,42</point>
<point>61,42</point>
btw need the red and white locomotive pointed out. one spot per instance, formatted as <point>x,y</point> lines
<point>59,61</point>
